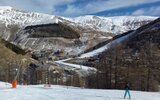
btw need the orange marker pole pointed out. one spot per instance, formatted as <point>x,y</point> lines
<point>14,84</point>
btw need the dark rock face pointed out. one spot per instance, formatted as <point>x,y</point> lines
<point>51,30</point>
<point>12,47</point>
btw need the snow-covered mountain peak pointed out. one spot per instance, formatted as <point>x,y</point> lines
<point>93,29</point>
<point>117,24</point>
<point>93,17</point>
<point>6,8</point>
<point>11,16</point>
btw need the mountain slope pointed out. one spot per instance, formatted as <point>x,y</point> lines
<point>92,30</point>
<point>11,60</point>
<point>56,92</point>
<point>149,28</point>
<point>116,25</point>
<point>132,57</point>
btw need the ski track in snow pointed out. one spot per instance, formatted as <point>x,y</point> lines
<point>56,92</point>
<point>73,66</point>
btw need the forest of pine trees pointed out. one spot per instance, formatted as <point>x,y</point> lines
<point>136,62</point>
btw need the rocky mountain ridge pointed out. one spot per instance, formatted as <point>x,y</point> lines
<point>92,29</point>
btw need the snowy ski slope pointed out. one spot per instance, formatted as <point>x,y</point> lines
<point>39,92</point>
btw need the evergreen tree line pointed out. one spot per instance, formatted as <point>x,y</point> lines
<point>135,62</point>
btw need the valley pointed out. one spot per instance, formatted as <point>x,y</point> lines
<point>87,51</point>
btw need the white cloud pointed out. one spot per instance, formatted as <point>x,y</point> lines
<point>51,4</point>
<point>73,9</point>
<point>45,6</point>
<point>102,5</point>
<point>148,11</point>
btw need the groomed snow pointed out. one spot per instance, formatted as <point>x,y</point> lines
<point>74,66</point>
<point>39,92</point>
<point>113,43</point>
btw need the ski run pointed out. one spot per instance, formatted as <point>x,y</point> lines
<point>56,92</point>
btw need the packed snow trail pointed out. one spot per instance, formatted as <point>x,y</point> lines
<point>38,92</point>
<point>73,66</point>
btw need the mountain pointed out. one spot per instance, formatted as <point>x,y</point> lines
<point>121,49</point>
<point>89,30</point>
<point>116,25</point>
<point>130,57</point>
<point>150,29</point>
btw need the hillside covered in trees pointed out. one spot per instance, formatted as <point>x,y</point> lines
<point>135,61</point>
<point>11,62</point>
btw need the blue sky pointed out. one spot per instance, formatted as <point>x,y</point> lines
<point>73,8</point>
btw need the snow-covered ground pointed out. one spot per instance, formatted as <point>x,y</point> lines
<point>39,92</point>
<point>81,69</point>
<point>74,66</point>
